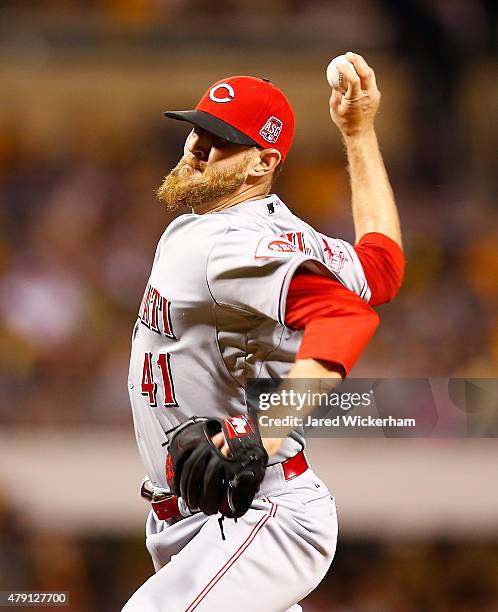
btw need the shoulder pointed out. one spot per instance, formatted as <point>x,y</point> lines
<point>194,231</point>
<point>196,223</point>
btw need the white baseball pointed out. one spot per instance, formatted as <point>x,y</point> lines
<point>334,75</point>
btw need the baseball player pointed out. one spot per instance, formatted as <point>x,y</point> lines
<point>242,288</point>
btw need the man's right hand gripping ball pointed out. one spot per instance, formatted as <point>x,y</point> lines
<point>204,477</point>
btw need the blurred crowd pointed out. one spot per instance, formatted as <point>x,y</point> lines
<point>151,10</point>
<point>101,571</point>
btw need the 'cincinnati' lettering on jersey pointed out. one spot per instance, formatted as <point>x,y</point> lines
<point>155,312</point>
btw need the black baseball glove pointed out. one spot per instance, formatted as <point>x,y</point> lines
<point>206,480</point>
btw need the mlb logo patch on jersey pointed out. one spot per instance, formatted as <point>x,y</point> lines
<point>271,130</point>
<point>274,246</point>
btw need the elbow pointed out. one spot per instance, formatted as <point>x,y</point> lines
<point>393,283</point>
<point>383,263</point>
<point>367,322</point>
<point>392,274</point>
<point>340,339</point>
<point>372,321</point>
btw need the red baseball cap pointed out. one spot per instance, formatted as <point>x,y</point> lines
<point>244,110</point>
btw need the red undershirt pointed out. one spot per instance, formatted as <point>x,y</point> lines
<point>337,323</point>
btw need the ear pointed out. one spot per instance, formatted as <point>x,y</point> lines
<point>264,163</point>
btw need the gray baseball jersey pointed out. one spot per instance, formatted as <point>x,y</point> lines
<point>212,316</point>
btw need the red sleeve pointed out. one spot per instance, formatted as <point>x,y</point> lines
<point>337,323</point>
<point>384,266</point>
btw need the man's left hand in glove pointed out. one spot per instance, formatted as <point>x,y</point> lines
<point>205,477</point>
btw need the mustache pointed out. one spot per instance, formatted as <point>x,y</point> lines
<point>193,163</point>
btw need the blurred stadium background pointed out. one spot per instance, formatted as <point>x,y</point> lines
<point>83,145</point>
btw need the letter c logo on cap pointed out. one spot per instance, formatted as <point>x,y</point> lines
<point>229,89</point>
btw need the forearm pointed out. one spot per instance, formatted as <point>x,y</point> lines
<point>374,208</point>
<point>303,370</point>
<point>373,204</point>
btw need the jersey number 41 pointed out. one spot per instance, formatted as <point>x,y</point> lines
<point>149,386</point>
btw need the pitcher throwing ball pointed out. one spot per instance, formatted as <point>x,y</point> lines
<point>242,288</point>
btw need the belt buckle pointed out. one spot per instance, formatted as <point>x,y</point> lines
<point>149,492</point>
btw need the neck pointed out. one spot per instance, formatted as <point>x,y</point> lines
<point>246,193</point>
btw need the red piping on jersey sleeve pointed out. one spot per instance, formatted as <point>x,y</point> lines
<point>337,323</point>
<point>384,266</point>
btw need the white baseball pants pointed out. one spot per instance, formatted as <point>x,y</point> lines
<point>272,557</point>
